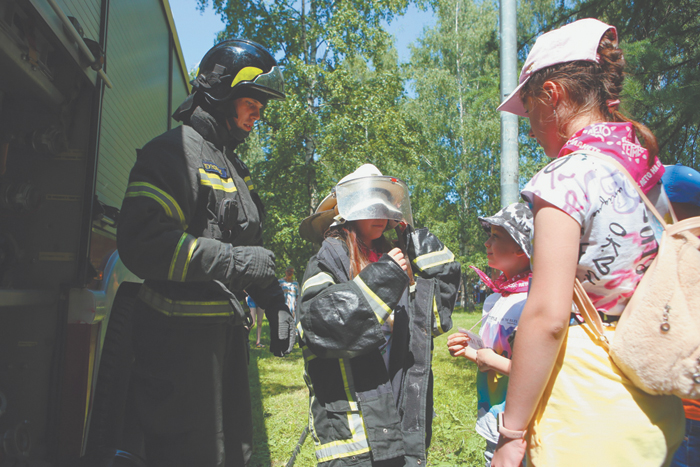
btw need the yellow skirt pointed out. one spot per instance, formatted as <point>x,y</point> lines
<point>591,415</point>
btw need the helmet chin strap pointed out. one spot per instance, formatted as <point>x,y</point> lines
<point>225,113</point>
<point>226,116</point>
<point>236,135</point>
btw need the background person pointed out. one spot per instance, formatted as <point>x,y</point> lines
<point>365,335</point>
<point>290,287</point>
<point>508,249</point>
<point>257,314</point>
<point>683,187</point>
<point>567,403</point>
<point>191,227</point>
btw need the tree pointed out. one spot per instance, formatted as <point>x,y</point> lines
<point>343,89</point>
<point>455,74</point>
<point>661,40</point>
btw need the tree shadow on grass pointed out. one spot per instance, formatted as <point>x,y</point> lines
<point>266,386</point>
<point>261,449</point>
<point>263,358</point>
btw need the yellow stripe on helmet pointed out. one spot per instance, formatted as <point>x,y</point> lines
<point>246,74</point>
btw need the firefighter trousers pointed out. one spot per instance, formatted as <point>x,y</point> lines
<point>191,390</point>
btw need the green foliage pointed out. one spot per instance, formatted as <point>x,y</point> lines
<point>661,41</point>
<point>455,74</point>
<point>343,87</point>
<point>347,105</point>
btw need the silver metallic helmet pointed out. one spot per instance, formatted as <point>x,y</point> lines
<point>363,194</point>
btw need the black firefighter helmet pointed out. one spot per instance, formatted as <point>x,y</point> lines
<point>233,69</point>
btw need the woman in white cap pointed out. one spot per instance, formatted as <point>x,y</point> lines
<point>366,324</point>
<point>567,403</point>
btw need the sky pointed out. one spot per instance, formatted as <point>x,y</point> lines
<point>197,31</point>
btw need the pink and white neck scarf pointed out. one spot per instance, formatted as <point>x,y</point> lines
<point>504,286</point>
<point>618,139</point>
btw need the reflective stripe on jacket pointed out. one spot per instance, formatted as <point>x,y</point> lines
<point>188,202</point>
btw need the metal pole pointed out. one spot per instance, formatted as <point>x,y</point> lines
<point>509,121</point>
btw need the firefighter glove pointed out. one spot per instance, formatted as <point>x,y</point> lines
<point>282,332</point>
<point>252,265</point>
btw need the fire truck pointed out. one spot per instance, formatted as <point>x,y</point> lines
<point>83,83</point>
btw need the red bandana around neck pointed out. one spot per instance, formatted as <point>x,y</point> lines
<point>516,284</point>
<point>618,139</point>
<point>370,253</point>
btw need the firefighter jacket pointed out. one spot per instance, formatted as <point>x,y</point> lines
<point>189,207</point>
<point>362,413</point>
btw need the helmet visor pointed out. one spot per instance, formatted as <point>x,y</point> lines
<point>271,82</point>
<point>374,198</point>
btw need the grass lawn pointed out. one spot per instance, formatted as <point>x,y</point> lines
<point>280,405</point>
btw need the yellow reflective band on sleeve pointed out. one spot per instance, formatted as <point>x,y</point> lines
<point>246,74</point>
<point>249,182</point>
<point>181,259</point>
<point>318,279</point>
<point>300,330</point>
<point>184,308</point>
<point>167,202</point>
<point>348,382</point>
<point>437,318</point>
<point>381,310</point>
<point>345,448</point>
<point>433,259</point>
<point>307,354</point>
<point>216,182</point>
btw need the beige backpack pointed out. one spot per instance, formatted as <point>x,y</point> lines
<point>657,339</point>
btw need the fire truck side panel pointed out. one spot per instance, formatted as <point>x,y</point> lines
<point>136,109</point>
<point>66,149</point>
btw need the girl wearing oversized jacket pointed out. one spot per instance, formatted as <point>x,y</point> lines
<point>368,314</point>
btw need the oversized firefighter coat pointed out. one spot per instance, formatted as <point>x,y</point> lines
<point>189,203</point>
<point>360,412</point>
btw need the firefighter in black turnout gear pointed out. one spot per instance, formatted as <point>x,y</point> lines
<point>367,332</point>
<point>191,227</point>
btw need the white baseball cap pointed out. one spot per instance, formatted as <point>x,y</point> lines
<point>573,42</point>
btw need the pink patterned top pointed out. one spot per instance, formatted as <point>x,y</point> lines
<point>617,236</point>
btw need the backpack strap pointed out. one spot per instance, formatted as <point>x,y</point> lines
<point>623,170</point>
<point>692,224</point>
<point>593,324</point>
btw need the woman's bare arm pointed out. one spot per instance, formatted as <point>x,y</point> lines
<point>544,321</point>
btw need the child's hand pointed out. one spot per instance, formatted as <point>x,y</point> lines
<point>458,345</point>
<point>397,255</point>
<point>487,359</point>
<point>483,359</point>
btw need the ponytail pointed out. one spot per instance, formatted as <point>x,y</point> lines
<point>591,88</point>
<point>612,63</point>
